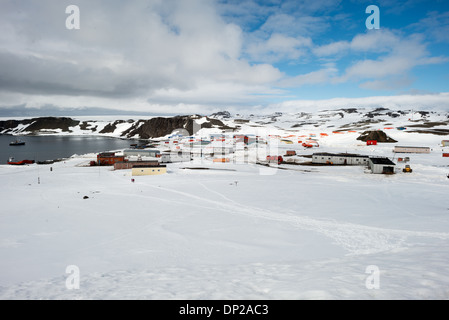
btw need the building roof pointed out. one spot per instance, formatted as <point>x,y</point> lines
<point>144,162</point>
<point>347,155</point>
<point>149,166</point>
<point>412,147</point>
<point>106,154</point>
<point>379,160</point>
<point>142,150</point>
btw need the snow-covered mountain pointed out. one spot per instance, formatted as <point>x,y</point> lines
<point>430,122</point>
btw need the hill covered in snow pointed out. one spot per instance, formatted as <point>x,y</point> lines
<point>430,122</point>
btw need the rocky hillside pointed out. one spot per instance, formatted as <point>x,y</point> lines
<point>377,135</point>
<point>341,120</point>
<point>144,129</point>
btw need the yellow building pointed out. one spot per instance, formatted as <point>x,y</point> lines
<point>148,170</point>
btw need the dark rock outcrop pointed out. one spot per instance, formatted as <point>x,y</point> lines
<point>160,127</point>
<point>51,123</point>
<point>111,127</point>
<point>84,125</point>
<point>393,114</point>
<point>350,110</point>
<point>378,135</point>
<point>221,114</point>
<point>145,129</point>
<point>376,112</point>
<point>12,124</point>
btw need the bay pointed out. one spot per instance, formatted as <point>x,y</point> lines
<point>41,148</point>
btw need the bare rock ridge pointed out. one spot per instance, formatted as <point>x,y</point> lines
<point>377,135</point>
<point>221,114</point>
<point>6,126</point>
<point>36,124</point>
<point>145,129</point>
<point>111,127</point>
<point>159,127</point>
<point>50,123</point>
<point>358,119</point>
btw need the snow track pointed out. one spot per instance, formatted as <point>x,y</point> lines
<point>356,239</point>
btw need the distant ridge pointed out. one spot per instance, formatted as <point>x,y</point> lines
<point>135,126</point>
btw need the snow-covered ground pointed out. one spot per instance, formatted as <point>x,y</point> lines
<point>235,231</point>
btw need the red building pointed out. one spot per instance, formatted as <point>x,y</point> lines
<point>108,159</point>
<point>241,138</point>
<point>123,165</point>
<point>277,159</point>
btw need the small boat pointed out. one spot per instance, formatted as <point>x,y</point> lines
<point>46,162</point>
<point>20,163</point>
<point>17,143</point>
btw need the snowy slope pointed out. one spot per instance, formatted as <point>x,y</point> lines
<point>235,231</point>
<point>359,120</point>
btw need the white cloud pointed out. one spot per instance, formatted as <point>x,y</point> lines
<point>288,24</point>
<point>331,49</point>
<point>435,24</point>
<point>373,41</point>
<point>321,76</point>
<point>154,53</point>
<point>278,47</point>
<point>396,56</point>
<point>127,51</point>
<point>373,69</point>
<point>405,54</point>
<point>439,102</point>
<point>389,84</point>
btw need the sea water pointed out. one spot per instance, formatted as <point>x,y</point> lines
<point>41,148</point>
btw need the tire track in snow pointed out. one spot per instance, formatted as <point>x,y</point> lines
<point>357,239</point>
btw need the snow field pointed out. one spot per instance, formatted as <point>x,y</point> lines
<point>195,234</point>
<point>236,231</point>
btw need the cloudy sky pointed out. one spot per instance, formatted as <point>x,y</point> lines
<point>200,56</point>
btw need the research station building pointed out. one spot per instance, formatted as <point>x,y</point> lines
<point>144,170</point>
<point>340,159</point>
<point>381,165</point>
<point>142,152</point>
<point>399,149</point>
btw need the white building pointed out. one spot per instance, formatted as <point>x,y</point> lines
<point>141,152</point>
<point>340,159</point>
<point>223,149</point>
<point>399,149</point>
<point>380,165</point>
<point>175,157</point>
